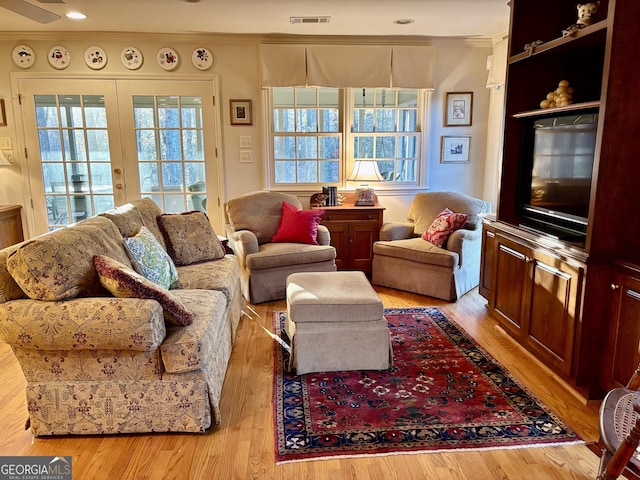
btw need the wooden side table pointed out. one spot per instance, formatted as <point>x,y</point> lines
<point>353,230</point>
<point>10,225</point>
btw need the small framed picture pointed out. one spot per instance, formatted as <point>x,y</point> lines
<point>3,114</point>
<point>240,112</point>
<point>459,109</point>
<point>455,149</point>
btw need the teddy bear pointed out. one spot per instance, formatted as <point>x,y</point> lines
<point>586,14</point>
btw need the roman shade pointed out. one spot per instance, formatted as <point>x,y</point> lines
<point>347,66</point>
<point>283,66</point>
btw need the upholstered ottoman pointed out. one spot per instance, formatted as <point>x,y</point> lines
<point>335,322</point>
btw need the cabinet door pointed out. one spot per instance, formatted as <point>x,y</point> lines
<point>361,238</point>
<point>510,276</point>
<point>554,292</point>
<point>340,240</point>
<point>625,330</point>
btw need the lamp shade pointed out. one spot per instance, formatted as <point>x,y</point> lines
<point>365,171</point>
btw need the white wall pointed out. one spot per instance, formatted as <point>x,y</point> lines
<point>460,66</point>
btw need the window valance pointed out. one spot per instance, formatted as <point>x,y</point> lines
<point>345,66</point>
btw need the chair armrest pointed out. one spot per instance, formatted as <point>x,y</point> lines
<point>324,236</point>
<point>396,231</point>
<point>467,244</point>
<point>91,323</point>
<point>243,243</point>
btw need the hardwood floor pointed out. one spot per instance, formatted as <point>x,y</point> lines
<point>242,447</point>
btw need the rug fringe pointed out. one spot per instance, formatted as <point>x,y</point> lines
<point>444,450</point>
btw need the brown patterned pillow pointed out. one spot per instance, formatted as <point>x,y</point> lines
<point>121,281</point>
<point>190,237</point>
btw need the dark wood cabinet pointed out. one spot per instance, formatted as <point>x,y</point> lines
<point>353,230</point>
<point>536,298</point>
<point>10,225</point>
<point>623,349</point>
<point>551,292</point>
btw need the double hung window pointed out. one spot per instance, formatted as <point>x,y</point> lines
<point>317,134</point>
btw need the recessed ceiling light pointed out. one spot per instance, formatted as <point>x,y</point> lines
<point>76,15</point>
<point>191,1</point>
<point>404,21</point>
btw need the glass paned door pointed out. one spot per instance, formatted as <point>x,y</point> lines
<point>173,147</point>
<point>74,150</point>
<point>94,144</point>
<point>74,157</point>
<point>170,151</point>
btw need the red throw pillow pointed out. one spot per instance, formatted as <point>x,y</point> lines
<point>298,226</point>
<point>444,225</point>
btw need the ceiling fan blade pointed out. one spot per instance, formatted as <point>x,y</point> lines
<point>30,11</point>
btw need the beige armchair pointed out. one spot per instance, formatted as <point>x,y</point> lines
<point>403,260</point>
<point>251,221</point>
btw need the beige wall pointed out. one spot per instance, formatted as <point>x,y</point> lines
<point>460,66</point>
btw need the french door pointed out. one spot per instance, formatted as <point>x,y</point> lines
<point>95,144</point>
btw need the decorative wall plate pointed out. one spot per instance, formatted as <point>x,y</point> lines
<point>167,58</point>
<point>59,57</point>
<point>202,58</point>
<point>95,57</point>
<point>131,58</point>
<point>23,56</point>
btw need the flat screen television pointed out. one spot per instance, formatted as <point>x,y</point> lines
<point>556,173</point>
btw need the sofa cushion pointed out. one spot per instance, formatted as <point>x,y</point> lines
<point>298,226</point>
<point>190,238</point>
<point>273,255</point>
<point>192,348</point>
<point>444,225</point>
<point>131,216</point>
<point>150,260</point>
<point>259,212</point>
<point>221,275</point>
<point>418,251</point>
<point>59,264</point>
<point>123,282</point>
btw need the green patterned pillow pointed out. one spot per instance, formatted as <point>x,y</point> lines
<point>149,258</point>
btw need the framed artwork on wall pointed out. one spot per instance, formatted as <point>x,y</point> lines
<point>455,149</point>
<point>240,112</point>
<point>459,109</point>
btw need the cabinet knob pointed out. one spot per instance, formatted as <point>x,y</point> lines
<point>117,171</point>
<point>370,217</point>
<point>614,286</point>
<point>119,186</point>
<point>328,217</point>
<point>351,240</point>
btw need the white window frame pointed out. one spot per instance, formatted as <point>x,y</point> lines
<point>347,160</point>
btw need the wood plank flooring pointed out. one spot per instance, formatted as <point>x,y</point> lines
<point>243,446</point>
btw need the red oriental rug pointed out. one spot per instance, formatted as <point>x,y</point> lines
<point>443,392</point>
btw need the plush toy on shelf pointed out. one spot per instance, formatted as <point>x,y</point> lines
<point>586,15</point>
<point>560,97</point>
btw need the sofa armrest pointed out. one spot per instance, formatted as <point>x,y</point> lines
<point>467,244</point>
<point>91,323</point>
<point>396,231</point>
<point>324,236</point>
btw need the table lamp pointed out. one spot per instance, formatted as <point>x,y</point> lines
<point>365,171</point>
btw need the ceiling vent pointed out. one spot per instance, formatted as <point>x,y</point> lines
<point>320,19</point>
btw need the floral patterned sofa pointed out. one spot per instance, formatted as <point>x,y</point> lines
<point>103,348</point>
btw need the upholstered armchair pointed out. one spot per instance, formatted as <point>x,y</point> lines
<point>252,220</point>
<point>402,259</point>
